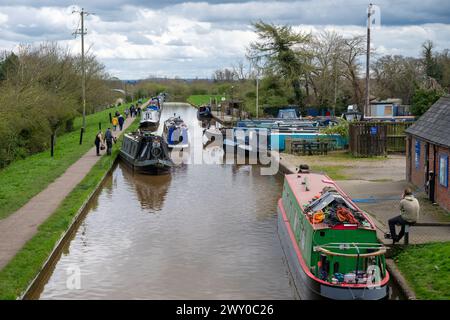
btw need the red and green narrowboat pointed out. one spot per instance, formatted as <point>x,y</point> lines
<point>331,245</point>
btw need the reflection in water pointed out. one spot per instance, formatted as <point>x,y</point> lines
<point>151,190</point>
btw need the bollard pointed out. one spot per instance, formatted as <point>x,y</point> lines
<point>100,126</point>
<point>52,144</point>
<point>406,234</point>
<point>81,136</point>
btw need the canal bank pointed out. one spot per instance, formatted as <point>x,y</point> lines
<point>27,253</point>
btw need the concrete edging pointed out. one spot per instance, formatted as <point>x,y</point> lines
<point>81,213</point>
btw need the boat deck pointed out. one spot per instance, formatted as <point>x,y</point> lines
<point>306,186</point>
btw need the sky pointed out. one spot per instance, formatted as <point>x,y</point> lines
<point>191,39</point>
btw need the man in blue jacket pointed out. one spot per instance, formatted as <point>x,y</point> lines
<point>121,121</point>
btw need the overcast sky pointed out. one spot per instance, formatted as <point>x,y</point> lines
<point>189,39</point>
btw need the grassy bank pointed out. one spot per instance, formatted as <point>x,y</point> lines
<point>25,178</point>
<point>427,269</point>
<point>199,100</point>
<point>16,276</point>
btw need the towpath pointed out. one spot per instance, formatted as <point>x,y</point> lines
<point>22,225</point>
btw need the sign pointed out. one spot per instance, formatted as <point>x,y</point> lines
<point>373,131</point>
<point>417,154</point>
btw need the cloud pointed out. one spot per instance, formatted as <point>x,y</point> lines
<point>192,39</point>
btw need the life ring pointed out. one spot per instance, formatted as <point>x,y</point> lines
<point>156,152</point>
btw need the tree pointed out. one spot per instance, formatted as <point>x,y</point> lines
<point>422,100</point>
<point>397,77</point>
<point>431,66</point>
<point>328,68</point>
<point>284,52</point>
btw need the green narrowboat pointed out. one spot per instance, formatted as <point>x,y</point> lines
<point>331,245</point>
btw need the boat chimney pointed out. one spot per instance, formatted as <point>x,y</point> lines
<point>303,168</point>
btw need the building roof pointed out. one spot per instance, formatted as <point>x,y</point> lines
<point>434,125</point>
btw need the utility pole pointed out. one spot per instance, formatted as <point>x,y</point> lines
<point>82,32</point>
<point>369,22</point>
<point>257,96</point>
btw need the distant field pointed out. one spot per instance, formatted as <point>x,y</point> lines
<point>199,100</point>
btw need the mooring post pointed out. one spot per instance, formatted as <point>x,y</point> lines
<point>81,135</point>
<point>52,144</point>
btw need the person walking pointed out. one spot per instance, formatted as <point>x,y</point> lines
<point>99,142</point>
<point>126,113</point>
<point>139,111</point>
<point>409,214</point>
<point>109,141</point>
<point>121,121</point>
<point>131,110</point>
<point>115,122</point>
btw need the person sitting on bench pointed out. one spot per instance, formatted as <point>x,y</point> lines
<point>409,214</point>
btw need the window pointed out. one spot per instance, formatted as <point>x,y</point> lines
<point>443,170</point>
<point>417,154</point>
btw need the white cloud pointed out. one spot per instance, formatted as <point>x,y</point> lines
<point>193,39</point>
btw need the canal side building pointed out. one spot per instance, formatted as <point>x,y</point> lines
<point>428,152</point>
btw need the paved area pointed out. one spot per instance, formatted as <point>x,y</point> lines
<point>22,225</point>
<point>376,186</point>
<point>224,119</point>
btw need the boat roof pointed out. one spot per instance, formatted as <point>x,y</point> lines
<point>308,186</point>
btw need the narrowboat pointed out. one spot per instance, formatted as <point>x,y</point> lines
<point>146,152</point>
<point>150,117</point>
<point>175,133</point>
<point>204,112</point>
<point>331,245</point>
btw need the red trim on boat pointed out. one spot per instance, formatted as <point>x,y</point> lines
<point>303,263</point>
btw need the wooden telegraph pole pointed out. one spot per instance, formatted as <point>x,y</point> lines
<point>367,102</point>
<point>82,32</point>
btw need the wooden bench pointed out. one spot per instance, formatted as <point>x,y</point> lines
<point>310,147</point>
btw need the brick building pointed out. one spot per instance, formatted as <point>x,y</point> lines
<point>428,152</point>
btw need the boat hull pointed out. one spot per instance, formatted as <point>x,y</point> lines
<point>148,125</point>
<point>307,287</point>
<point>156,166</point>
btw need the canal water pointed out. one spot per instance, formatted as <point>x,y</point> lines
<point>201,232</point>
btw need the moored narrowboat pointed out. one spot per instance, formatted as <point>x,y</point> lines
<point>204,112</point>
<point>331,245</point>
<point>175,133</point>
<point>146,152</point>
<point>150,117</point>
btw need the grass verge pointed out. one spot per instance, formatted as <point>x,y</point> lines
<point>334,172</point>
<point>23,179</point>
<point>427,269</point>
<point>17,274</point>
<point>199,100</point>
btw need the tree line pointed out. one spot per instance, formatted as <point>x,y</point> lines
<point>326,70</point>
<point>40,95</point>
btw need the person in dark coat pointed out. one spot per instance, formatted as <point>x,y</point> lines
<point>109,141</point>
<point>121,121</point>
<point>98,142</point>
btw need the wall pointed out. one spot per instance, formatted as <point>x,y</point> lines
<point>417,175</point>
